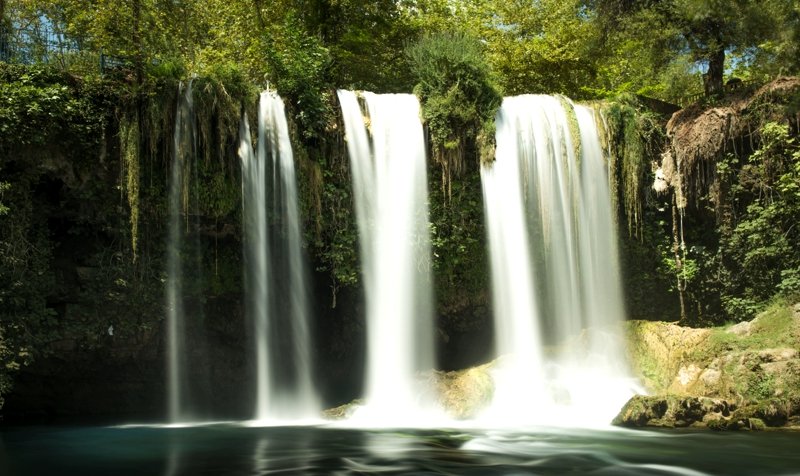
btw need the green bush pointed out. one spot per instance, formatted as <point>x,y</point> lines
<point>762,250</point>
<point>459,98</point>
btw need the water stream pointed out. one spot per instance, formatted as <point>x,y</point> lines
<point>555,275</point>
<point>229,449</point>
<point>276,284</point>
<point>182,155</point>
<point>389,178</point>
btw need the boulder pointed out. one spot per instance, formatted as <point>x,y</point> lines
<point>669,411</point>
<point>464,393</point>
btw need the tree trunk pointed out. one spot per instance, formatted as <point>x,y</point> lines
<point>712,80</point>
<point>259,15</point>
<point>5,33</point>
<point>138,60</point>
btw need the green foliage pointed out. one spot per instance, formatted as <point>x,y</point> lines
<point>634,135</point>
<point>741,355</point>
<point>459,99</point>
<point>4,186</point>
<point>297,64</point>
<point>328,199</point>
<point>6,370</point>
<point>365,40</point>
<point>219,94</point>
<point>26,278</point>
<point>41,104</point>
<point>541,47</point>
<point>649,287</point>
<point>129,150</point>
<point>761,250</point>
<point>660,48</point>
<point>460,267</point>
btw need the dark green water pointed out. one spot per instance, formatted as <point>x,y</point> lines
<point>227,449</point>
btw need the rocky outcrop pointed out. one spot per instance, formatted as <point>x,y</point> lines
<point>657,350</point>
<point>672,411</point>
<point>700,133</point>
<point>701,412</point>
<point>744,376</point>
<point>461,394</point>
<point>464,393</point>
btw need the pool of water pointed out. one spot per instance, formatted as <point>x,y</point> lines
<point>235,449</point>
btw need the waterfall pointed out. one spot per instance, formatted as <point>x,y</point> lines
<point>388,167</point>
<point>275,273</point>
<point>555,275</point>
<point>182,153</point>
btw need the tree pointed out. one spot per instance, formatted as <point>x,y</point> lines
<point>711,28</point>
<point>541,47</point>
<point>705,32</point>
<point>3,30</point>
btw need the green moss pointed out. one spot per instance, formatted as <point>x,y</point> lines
<point>634,137</point>
<point>648,355</point>
<point>774,327</point>
<point>459,98</point>
<point>574,129</point>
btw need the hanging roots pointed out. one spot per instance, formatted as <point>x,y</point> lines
<point>129,149</point>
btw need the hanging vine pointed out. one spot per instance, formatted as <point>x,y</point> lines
<point>633,137</point>
<point>129,150</point>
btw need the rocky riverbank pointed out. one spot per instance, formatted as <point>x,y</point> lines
<point>742,376</point>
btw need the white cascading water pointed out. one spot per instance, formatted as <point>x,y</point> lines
<point>389,175</point>
<point>182,151</point>
<point>275,275</point>
<point>555,273</point>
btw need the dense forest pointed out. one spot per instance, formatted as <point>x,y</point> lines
<point>708,198</point>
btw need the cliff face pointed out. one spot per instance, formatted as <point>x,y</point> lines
<point>745,375</point>
<point>82,311</point>
<point>83,228</point>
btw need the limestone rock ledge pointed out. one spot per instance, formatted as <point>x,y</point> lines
<point>461,394</point>
<point>670,411</point>
<point>740,377</point>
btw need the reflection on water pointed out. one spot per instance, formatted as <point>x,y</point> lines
<point>173,457</point>
<point>229,449</point>
<point>4,469</point>
<point>260,458</point>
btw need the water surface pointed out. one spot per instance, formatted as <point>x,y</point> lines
<point>232,449</point>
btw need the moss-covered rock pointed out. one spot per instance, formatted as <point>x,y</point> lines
<point>461,394</point>
<point>342,412</point>
<point>658,350</point>
<point>464,393</point>
<point>700,376</point>
<point>671,411</point>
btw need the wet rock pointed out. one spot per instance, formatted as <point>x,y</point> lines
<point>641,410</point>
<point>657,351</point>
<point>342,412</point>
<point>464,393</point>
<point>670,411</point>
<point>688,375</point>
